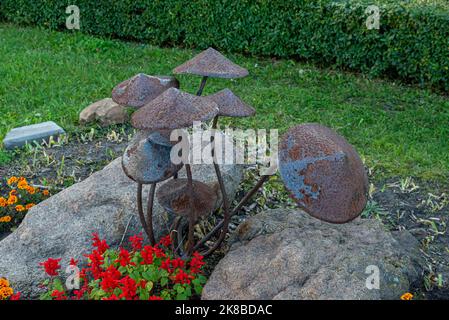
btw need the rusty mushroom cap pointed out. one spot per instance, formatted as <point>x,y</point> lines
<point>146,162</point>
<point>173,109</point>
<point>161,137</point>
<point>211,63</point>
<point>174,197</point>
<point>141,89</point>
<point>230,105</point>
<point>323,172</point>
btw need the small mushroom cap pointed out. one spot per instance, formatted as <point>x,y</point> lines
<point>146,162</point>
<point>230,105</point>
<point>141,89</point>
<point>174,197</point>
<point>211,63</point>
<point>173,109</point>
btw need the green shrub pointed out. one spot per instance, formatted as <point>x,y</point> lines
<point>412,42</point>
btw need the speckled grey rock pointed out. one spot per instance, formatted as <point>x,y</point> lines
<point>61,226</point>
<point>286,254</point>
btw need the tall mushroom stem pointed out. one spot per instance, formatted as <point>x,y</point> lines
<point>140,209</point>
<point>150,213</point>
<point>226,214</point>
<point>192,217</point>
<point>226,206</point>
<point>202,85</point>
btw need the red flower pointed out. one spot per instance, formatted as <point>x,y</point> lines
<point>79,293</point>
<point>177,263</point>
<point>51,266</point>
<point>159,252</point>
<point>182,277</point>
<point>143,284</point>
<point>155,298</point>
<point>129,287</point>
<point>166,265</point>
<point>83,274</point>
<point>196,263</point>
<point>124,258</point>
<point>15,296</point>
<point>110,278</point>
<point>165,241</point>
<point>136,241</point>
<point>59,295</point>
<point>147,255</point>
<point>112,297</point>
<point>96,260</point>
<point>101,245</point>
<point>73,262</point>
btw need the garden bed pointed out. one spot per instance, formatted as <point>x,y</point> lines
<point>411,204</point>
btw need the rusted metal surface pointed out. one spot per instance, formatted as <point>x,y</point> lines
<point>162,137</point>
<point>230,105</point>
<point>174,197</point>
<point>323,172</point>
<point>173,109</point>
<point>321,169</point>
<point>141,89</point>
<point>146,162</point>
<point>211,63</point>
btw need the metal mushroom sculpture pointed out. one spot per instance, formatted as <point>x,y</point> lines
<point>322,171</point>
<point>141,89</point>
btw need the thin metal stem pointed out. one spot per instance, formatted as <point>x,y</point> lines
<point>242,202</point>
<point>192,209</point>
<point>202,85</point>
<point>215,122</point>
<point>150,213</point>
<point>226,214</point>
<point>140,209</point>
<point>176,234</point>
<point>250,194</point>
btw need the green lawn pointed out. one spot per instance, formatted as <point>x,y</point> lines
<point>398,130</point>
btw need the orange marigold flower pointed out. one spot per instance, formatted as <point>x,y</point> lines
<point>407,296</point>
<point>6,292</point>
<point>20,208</point>
<point>12,200</point>
<point>22,185</point>
<point>13,192</point>
<point>45,192</point>
<point>12,180</point>
<point>29,206</point>
<point>22,179</point>
<point>31,190</point>
<point>3,202</point>
<point>4,283</point>
<point>5,219</point>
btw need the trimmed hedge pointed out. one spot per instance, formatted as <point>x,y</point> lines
<point>412,43</point>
